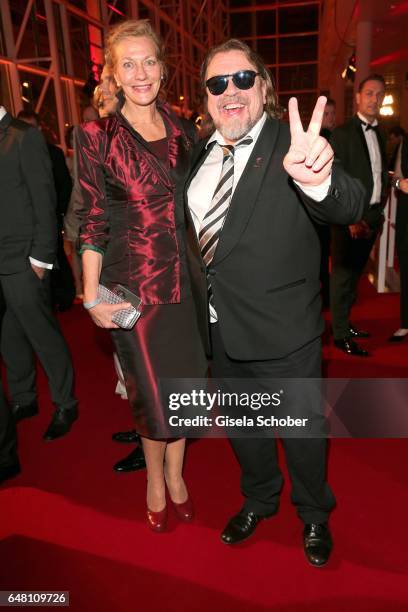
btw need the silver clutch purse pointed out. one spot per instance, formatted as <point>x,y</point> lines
<point>127,317</point>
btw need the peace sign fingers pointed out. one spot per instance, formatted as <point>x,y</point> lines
<point>310,157</point>
<point>295,122</point>
<point>315,124</point>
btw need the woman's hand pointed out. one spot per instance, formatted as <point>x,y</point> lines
<point>360,230</point>
<point>102,314</point>
<point>403,185</point>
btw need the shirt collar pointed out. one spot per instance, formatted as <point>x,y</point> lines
<point>254,133</point>
<point>364,120</point>
<point>3,112</point>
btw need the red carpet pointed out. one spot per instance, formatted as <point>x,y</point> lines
<point>68,522</point>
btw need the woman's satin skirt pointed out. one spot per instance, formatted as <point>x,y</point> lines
<point>165,343</point>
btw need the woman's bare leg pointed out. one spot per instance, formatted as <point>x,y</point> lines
<point>154,452</point>
<point>173,470</point>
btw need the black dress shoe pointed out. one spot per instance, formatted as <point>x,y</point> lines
<point>133,462</point>
<point>395,338</point>
<point>9,471</point>
<point>347,345</point>
<point>24,411</point>
<point>61,423</point>
<point>240,527</point>
<point>126,436</point>
<point>357,333</point>
<point>317,543</point>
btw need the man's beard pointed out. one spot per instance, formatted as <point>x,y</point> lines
<point>235,130</point>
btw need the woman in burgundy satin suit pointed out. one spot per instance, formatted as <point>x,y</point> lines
<point>132,168</point>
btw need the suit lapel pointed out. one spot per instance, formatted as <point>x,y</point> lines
<point>360,133</point>
<point>384,164</point>
<point>404,157</point>
<point>381,146</point>
<point>174,142</point>
<point>246,192</point>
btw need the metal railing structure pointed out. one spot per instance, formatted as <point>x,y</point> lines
<point>51,49</point>
<point>286,34</point>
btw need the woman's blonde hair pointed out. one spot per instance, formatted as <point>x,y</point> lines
<point>132,28</point>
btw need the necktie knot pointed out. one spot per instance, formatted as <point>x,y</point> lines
<point>229,150</point>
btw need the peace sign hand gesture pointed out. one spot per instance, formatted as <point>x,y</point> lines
<point>310,157</point>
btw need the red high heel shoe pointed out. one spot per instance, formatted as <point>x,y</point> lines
<point>185,510</point>
<point>157,521</point>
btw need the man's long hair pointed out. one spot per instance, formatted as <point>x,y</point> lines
<point>271,106</point>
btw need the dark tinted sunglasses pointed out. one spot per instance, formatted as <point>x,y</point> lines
<point>244,79</point>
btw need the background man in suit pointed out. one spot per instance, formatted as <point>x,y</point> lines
<point>396,136</point>
<point>401,235</point>
<point>62,280</point>
<point>28,242</point>
<point>360,147</point>
<point>263,267</point>
<point>329,119</point>
<point>9,463</point>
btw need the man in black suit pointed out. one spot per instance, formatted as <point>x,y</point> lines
<point>62,280</point>
<point>28,242</point>
<point>329,119</point>
<point>264,298</point>
<point>9,463</point>
<point>360,146</point>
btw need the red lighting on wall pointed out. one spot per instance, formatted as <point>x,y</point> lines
<point>115,10</point>
<point>400,9</point>
<point>397,56</point>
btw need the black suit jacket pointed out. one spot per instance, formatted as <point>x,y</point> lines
<point>350,147</point>
<point>8,434</point>
<point>402,208</point>
<point>404,160</point>
<point>28,223</point>
<point>62,180</point>
<point>265,272</point>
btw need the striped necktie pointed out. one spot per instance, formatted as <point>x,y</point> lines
<point>214,219</point>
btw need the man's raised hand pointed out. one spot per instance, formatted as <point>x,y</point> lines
<point>310,157</point>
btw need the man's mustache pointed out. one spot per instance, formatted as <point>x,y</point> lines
<point>234,100</point>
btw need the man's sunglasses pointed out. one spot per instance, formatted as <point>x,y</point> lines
<point>244,79</point>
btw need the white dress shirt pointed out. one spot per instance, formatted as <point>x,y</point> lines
<point>205,181</point>
<point>35,262</point>
<point>375,158</point>
<point>397,168</point>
